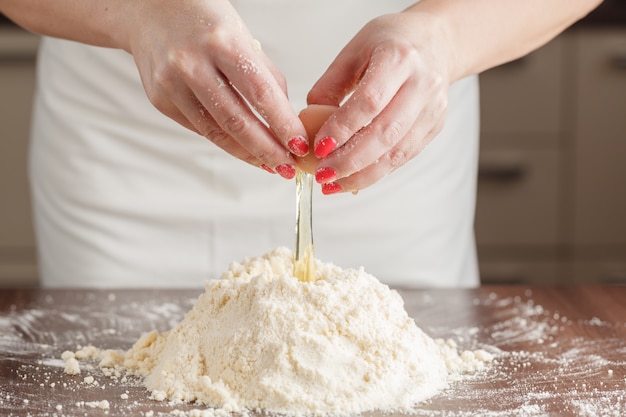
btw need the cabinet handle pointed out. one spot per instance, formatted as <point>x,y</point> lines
<point>495,172</point>
<point>14,57</point>
<point>618,61</point>
<point>614,278</point>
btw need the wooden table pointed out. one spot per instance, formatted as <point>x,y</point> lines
<point>559,351</point>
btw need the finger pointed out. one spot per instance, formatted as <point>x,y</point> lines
<point>185,108</point>
<point>160,90</point>
<point>234,117</point>
<point>373,93</point>
<point>257,84</point>
<point>276,74</point>
<point>406,150</point>
<point>340,79</point>
<point>213,132</point>
<point>171,111</point>
<point>376,139</point>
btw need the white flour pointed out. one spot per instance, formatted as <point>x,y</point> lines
<point>258,339</point>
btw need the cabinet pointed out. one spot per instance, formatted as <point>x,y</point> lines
<point>552,186</point>
<point>17,80</point>
<point>599,135</point>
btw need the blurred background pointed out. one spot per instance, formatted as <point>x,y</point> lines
<point>552,181</point>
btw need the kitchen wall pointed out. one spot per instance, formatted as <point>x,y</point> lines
<point>552,182</point>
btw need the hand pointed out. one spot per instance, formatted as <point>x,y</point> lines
<point>200,66</point>
<point>397,71</point>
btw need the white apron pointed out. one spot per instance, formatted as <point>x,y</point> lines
<point>125,197</point>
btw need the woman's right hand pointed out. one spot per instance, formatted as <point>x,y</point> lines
<point>201,67</point>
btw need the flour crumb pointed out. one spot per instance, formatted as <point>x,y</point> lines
<point>103,405</point>
<point>72,367</point>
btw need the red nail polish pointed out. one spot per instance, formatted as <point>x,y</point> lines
<point>299,146</point>
<point>325,146</point>
<point>268,169</point>
<point>286,171</point>
<point>324,175</point>
<point>331,188</point>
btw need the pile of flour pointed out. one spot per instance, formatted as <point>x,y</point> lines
<point>259,339</point>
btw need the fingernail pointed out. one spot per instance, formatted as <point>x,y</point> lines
<point>331,188</point>
<point>299,146</point>
<point>325,146</point>
<point>268,169</point>
<point>287,171</point>
<point>324,175</point>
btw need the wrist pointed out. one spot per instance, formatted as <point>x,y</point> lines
<point>117,17</point>
<point>430,19</point>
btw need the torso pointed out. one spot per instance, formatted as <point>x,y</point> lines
<point>126,197</point>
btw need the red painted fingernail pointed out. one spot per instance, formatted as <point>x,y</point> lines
<point>331,188</point>
<point>325,146</point>
<point>268,169</point>
<point>324,175</point>
<point>299,146</point>
<point>287,171</point>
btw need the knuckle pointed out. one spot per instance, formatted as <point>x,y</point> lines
<point>261,94</point>
<point>217,136</point>
<point>408,53</point>
<point>372,100</point>
<point>283,130</point>
<point>442,104</point>
<point>389,134</point>
<point>250,159</point>
<point>352,164</point>
<point>435,82</point>
<point>397,157</point>
<point>158,85</point>
<point>235,125</point>
<point>217,37</point>
<point>344,126</point>
<point>273,156</point>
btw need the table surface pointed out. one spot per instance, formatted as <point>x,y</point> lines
<point>559,350</point>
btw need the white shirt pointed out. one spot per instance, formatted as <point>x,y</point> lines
<point>125,197</point>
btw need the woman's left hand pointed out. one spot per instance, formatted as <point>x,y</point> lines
<point>397,69</point>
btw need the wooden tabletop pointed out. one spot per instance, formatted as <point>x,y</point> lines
<point>559,350</point>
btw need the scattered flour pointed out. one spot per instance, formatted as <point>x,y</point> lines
<point>259,339</point>
<point>103,405</point>
<point>72,367</point>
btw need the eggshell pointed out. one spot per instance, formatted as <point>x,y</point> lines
<point>313,117</point>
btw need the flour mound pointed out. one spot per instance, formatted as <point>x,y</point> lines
<point>259,339</point>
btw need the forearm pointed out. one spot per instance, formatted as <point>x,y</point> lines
<point>486,33</point>
<point>87,21</point>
